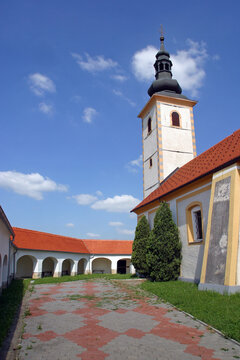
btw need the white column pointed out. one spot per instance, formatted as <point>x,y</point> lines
<point>114,265</point>
<point>74,268</point>
<point>58,268</point>
<point>37,269</point>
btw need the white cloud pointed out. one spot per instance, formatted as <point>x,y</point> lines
<point>45,108</point>
<point>188,65</point>
<point>85,199</point>
<point>142,63</point>
<point>40,84</point>
<point>118,77</point>
<point>115,223</point>
<point>122,203</point>
<point>99,193</point>
<point>120,94</point>
<point>88,114</point>
<point>91,64</point>
<point>70,225</point>
<point>93,235</point>
<point>126,231</point>
<point>134,165</point>
<point>32,185</point>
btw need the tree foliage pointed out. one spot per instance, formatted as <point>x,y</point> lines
<point>164,247</point>
<point>140,246</point>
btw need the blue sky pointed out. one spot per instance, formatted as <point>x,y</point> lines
<point>74,76</point>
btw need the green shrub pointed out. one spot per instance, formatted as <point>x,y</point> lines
<point>164,247</point>
<point>140,246</point>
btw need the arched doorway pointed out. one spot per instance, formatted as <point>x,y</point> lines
<point>25,266</point>
<point>82,266</point>
<point>48,266</point>
<point>101,266</point>
<point>123,266</point>
<point>5,271</point>
<point>67,267</point>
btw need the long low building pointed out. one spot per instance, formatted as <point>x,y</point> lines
<point>41,254</point>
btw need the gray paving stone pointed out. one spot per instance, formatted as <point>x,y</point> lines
<point>55,349</point>
<point>59,324</point>
<point>129,320</point>
<point>148,347</point>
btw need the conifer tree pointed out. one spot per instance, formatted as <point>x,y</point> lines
<point>164,247</point>
<point>140,246</point>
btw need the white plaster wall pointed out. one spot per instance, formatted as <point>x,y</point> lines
<point>152,115</point>
<point>177,139</point>
<point>150,150</point>
<point>172,160</point>
<point>184,112</point>
<point>151,173</point>
<point>150,145</point>
<point>192,255</point>
<point>61,256</point>
<point>4,251</point>
<point>176,142</point>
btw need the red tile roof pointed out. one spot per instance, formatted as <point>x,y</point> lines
<point>36,240</point>
<point>109,246</point>
<point>219,156</point>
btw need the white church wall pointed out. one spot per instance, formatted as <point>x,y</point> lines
<point>192,253</point>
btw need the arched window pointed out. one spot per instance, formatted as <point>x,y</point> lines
<point>161,66</point>
<point>166,66</point>
<point>194,223</point>
<point>149,125</point>
<point>150,162</point>
<point>175,119</point>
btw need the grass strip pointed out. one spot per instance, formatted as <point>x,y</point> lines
<point>49,280</point>
<point>220,311</point>
<point>10,301</point>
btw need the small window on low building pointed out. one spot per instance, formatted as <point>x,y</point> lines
<point>175,119</point>
<point>194,223</point>
<point>149,125</point>
<point>150,162</point>
<point>197,223</point>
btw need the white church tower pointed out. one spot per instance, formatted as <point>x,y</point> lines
<point>168,135</point>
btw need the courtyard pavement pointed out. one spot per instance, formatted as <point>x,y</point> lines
<point>102,319</point>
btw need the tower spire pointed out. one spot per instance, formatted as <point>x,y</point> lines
<point>164,82</point>
<point>162,39</point>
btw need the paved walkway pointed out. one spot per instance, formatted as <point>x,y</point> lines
<point>96,320</point>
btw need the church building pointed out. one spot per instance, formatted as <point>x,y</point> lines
<point>203,191</point>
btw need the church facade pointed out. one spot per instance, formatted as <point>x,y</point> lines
<point>203,191</point>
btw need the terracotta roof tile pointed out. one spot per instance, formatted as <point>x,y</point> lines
<point>220,155</point>
<point>109,246</point>
<point>36,240</point>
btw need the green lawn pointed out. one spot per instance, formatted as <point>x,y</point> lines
<point>48,280</point>
<point>10,301</point>
<point>220,311</point>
